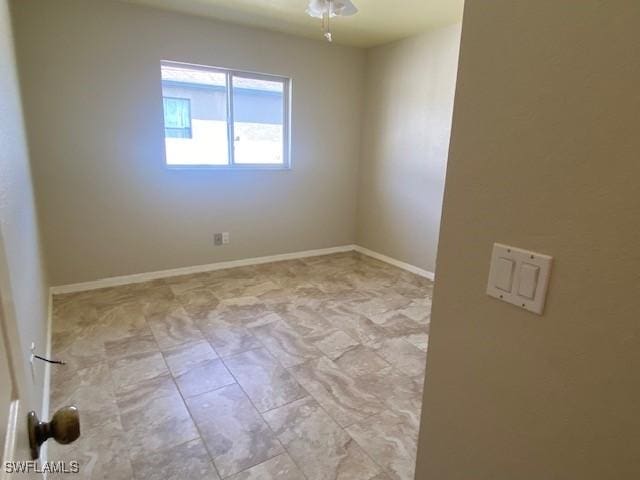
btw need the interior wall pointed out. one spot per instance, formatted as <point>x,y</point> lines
<point>410,87</point>
<point>90,73</point>
<point>544,155</point>
<point>23,286</point>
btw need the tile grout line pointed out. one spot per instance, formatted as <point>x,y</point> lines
<point>155,339</point>
<point>309,395</point>
<point>184,400</point>
<point>171,376</point>
<point>115,400</point>
<point>262,416</point>
<point>195,424</point>
<point>344,429</point>
<point>243,391</point>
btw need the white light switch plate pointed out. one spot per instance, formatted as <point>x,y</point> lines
<point>519,277</point>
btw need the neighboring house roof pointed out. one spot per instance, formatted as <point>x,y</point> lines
<point>214,78</point>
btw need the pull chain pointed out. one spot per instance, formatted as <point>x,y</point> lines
<point>326,21</point>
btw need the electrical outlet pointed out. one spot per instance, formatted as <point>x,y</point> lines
<point>217,239</point>
<point>225,238</point>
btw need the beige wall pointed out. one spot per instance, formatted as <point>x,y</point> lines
<point>23,284</point>
<point>544,155</point>
<point>407,120</point>
<point>90,73</point>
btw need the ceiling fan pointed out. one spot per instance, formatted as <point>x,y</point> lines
<point>327,9</point>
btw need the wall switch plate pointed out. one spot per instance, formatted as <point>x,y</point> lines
<point>217,239</point>
<point>519,277</point>
<point>225,238</point>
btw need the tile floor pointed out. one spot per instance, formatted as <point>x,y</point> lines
<point>306,369</point>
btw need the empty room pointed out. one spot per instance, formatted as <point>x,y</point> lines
<point>319,239</point>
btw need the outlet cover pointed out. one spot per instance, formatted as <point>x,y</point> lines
<point>217,239</point>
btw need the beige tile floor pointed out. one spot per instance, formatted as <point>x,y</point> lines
<point>306,369</point>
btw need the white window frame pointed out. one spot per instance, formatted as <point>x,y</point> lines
<point>230,74</point>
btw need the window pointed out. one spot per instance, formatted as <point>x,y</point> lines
<point>177,117</point>
<point>222,118</point>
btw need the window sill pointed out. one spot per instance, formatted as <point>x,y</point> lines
<point>229,168</point>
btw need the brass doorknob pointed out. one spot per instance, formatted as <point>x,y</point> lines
<point>64,427</point>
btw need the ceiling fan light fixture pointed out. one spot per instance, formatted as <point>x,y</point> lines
<point>328,9</point>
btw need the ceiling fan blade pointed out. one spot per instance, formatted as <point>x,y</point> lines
<point>345,8</point>
<point>316,8</point>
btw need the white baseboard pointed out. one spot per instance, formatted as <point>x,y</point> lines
<point>397,263</point>
<point>145,277</point>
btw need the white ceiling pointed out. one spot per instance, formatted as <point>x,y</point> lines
<point>378,22</point>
